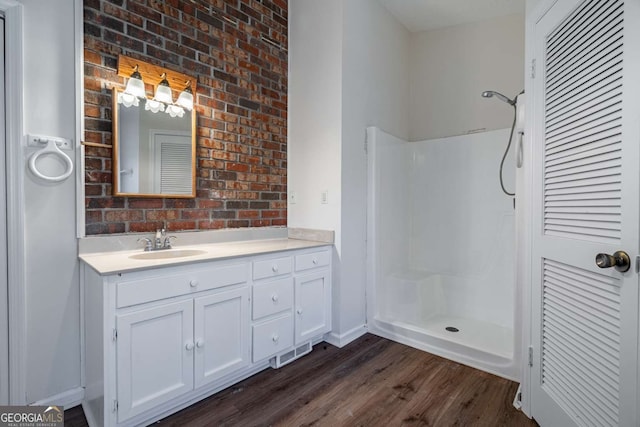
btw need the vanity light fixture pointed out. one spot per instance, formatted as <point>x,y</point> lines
<point>162,79</point>
<point>185,99</point>
<point>133,91</point>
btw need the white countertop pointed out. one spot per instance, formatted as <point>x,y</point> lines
<point>106,263</point>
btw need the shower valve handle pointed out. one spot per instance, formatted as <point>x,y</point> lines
<point>619,260</point>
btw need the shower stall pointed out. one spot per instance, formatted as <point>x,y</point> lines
<point>441,245</point>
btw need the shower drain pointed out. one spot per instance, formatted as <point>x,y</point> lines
<point>452,329</point>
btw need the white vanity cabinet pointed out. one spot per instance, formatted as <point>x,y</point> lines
<point>160,339</point>
<point>154,356</point>
<point>312,295</point>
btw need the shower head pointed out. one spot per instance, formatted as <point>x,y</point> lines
<point>501,97</point>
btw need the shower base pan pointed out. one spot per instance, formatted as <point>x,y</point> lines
<point>478,344</point>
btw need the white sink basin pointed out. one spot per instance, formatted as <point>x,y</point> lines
<point>168,254</point>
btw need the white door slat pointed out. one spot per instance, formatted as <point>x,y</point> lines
<point>609,82</point>
<point>602,343</point>
<point>561,344</point>
<point>599,58</point>
<point>599,408</point>
<point>576,26</point>
<point>601,161</point>
<point>572,192</point>
<point>587,130</point>
<point>578,61</point>
<point>583,148</point>
<point>605,114</point>
<point>597,179</point>
<point>592,234</point>
<point>609,87</point>
<point>578,114</point>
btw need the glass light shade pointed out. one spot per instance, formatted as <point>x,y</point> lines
<point>185,99</point>
<point>163,91</point>
<point>128,100</point>
<point>153,106</point>
<point>175,110</point>
<point>135,86</point>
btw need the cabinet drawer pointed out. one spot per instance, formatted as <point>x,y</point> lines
<point>272,297</point>
<point>272,337</point>
<point>160,287</point>
<point>271,268</point>
<point>312,260</point>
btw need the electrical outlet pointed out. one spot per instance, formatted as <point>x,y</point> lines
<point>324,197</point>
<point>293,198</point>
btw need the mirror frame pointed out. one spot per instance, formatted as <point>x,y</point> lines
<point>116,163</point>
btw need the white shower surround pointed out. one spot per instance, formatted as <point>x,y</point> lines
<point>441,243</point>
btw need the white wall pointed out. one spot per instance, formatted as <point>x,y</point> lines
<point>52,275</point>
<point>451,67</point>
<point>348,69</point>
<point>315,113</point>
<point>375,90</point>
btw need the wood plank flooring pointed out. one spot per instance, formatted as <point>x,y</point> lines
<point>370,382</point>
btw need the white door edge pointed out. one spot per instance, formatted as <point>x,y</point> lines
<point>13,12</point>
<point>4,290</point>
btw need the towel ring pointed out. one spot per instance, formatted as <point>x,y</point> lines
<point>51,148</point>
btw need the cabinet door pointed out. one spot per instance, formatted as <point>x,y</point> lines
<point>221,334</point>
<point>154,357</point>
<point>313,305</point>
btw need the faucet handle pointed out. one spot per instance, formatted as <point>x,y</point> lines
<point>167,242</point>
<point>148,244</point>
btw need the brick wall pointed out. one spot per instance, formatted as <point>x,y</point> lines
<point>237,50</point>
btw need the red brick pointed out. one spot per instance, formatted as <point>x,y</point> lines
<point>241,152</point>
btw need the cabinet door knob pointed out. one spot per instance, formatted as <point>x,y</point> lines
<point>275,338</point>
<point>199,343</point>
<point>193,283</point>
<point>315,261</point>
<point>189,346</point>
<point>299,311</point>
<point>274,298</point>
<point>274,268</point>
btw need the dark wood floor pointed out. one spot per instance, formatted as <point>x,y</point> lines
<point>370,382</point>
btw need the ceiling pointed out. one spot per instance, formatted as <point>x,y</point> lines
<point>424,15</point>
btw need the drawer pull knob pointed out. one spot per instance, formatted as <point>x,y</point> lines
<point>189,346</point>
<point>315,261</point>
<point>274,298</point>
<point>199,343</point>
<point>275,338</point>
<point>193,283</point>
<point>274,268</point>
<point>299,311</point>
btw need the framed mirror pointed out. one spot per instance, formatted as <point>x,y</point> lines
<point>154,154</point>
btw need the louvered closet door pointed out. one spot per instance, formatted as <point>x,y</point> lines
<point>585,130</point>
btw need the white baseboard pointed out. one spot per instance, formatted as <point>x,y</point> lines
<point>349,336</point>
<point>67,399</point>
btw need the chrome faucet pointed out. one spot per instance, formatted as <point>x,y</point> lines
<point>160,242</point>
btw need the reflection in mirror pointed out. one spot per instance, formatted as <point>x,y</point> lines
<point>153,153</point>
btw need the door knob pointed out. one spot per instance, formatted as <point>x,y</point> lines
<point>620,260</point>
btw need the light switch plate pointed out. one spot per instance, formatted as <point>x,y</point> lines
<point>324,197</point>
